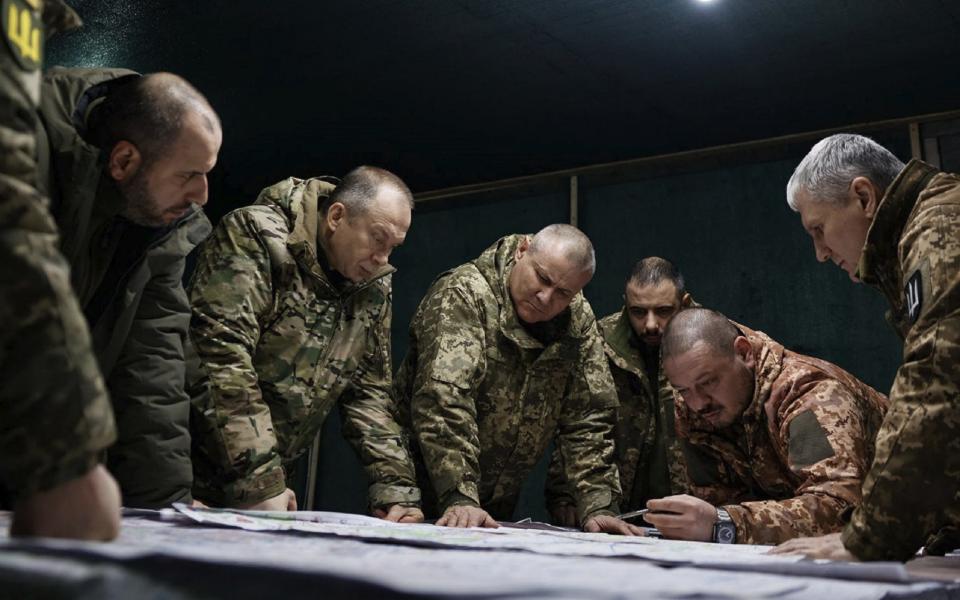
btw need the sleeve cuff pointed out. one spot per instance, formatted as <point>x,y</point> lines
<point>597,503</point>
<point>458,497</point>
<point>385,495</point>
<point>255,488</point>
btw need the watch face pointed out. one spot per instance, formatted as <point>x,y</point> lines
<point>726,532</point>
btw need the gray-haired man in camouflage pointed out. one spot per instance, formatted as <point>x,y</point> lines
<point>896,227</point>
<point>291,315</point>
<point>504,354</point>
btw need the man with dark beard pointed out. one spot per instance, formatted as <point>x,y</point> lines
<point>124,159</point>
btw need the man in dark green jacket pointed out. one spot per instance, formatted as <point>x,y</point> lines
<point>55,416</point>
<point>649,458</point>
<point>125,159</point>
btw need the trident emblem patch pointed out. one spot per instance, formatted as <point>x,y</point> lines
<point>913,293</point>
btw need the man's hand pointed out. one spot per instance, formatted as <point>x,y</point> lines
<point>467,516</point>
<point>608,524</point>
<point>564,515</point>
<point>400,514</point>
<point>286,500</point>
<point>682,518</point>
<point>825,546</point>
<point>85,508</point>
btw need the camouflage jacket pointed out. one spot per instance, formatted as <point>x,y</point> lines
<point>128,280</point>
<point>796,459</point>
<point>55,416</point>
<point>912,255</point>
<point>278,343</point>
<point>649,457</point>
<point>484,397</point>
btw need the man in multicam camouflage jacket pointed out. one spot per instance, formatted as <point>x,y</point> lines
<point>649,458</point>
<point>291,315</point>
<point>896,227</point>
<point>504,354</point>
<point>776,443</point>
<point>55,415</point>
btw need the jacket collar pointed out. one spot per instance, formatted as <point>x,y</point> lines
<point>622,346</point>
<point>299,201</point>
<point>879,255</point>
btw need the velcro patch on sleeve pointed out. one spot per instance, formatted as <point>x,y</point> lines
<point>913,296</point>
<point>23,32</point>
<point>809,443</point>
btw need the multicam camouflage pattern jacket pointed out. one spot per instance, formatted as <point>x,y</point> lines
<point>55,416</point>
<point>796,459</point>
<point>484,397</point>
<point>649,457</point>
<point>278,343</point>
<point>912,255</point>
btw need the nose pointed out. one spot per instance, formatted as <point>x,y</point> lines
<point>650,323</point>
<point>693,400</point>
<point>544,295</point>
<point>380,258</point>
<point>823,252</point>
<point>198,194</point>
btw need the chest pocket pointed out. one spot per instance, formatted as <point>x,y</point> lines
<point>546,388</point>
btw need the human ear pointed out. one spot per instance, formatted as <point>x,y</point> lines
<point>124,161</point>
<point>866,194</point>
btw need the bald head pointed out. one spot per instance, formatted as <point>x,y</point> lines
<point>693,325</point>
<point>566,241</point>
<point>149,112</point>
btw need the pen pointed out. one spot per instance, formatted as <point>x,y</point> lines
<point>633,513</point>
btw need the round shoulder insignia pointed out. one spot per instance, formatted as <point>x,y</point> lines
<point>23,32</point>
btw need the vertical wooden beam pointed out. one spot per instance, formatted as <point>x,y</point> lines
<point>916,147</point>
<point>574,201</point>
<point>312,459</point>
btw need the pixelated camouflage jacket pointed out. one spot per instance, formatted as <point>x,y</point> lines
<point>278,344</point>
<point>649,457</point>
<point>138,322</point>
<point>912,254</point>
<point>55,415</point>
<point>795,460</point>
<point>484,397</point>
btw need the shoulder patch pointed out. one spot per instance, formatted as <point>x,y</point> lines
<point>23,32</point>
<point>808,441</point>
<point>913,296</point>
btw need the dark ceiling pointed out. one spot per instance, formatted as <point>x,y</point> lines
<point>449,92</point>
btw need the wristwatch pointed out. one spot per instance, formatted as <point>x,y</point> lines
<point>724,531</point>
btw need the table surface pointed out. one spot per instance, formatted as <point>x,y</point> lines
<point>170,556</point>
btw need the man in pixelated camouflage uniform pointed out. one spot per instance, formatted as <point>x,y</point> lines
<point>55,416</point>
<point>897,228</point>
<point>648,455</point>
<point>291,315</point>
<point>504,354</point>
<point>776,443</point>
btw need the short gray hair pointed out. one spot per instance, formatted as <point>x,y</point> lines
<point>359,188</point>
<point>826,171</point>
<point>576,246</point>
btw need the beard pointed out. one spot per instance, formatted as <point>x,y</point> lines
<point>142,207</point>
